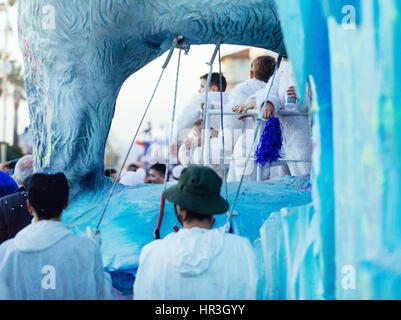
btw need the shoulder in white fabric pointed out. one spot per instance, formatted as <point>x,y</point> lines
<point>241,92</point>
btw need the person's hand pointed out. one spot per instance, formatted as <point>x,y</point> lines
<point>244,108</point>
<point>214,133</point>
<point>203,106</point>
<point>188,143</point>
<point>292,93</point>
<point>5,166</point>
<point>95,235</point>
<point>269,110</point>
<point>174,148</point>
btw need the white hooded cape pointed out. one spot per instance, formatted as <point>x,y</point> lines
<point>197,264</point>
<point>45,261</point>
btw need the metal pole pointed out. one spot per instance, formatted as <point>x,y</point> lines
<point>207,132</point>
<point>259,169</point>
<point>206,107</point>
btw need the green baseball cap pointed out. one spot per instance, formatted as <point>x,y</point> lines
<point>198,190</point>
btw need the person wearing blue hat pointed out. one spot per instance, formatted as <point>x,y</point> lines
<point>7,185</point>
<point>53,263</point>
<point>198,262</point>
<point>14,215</point>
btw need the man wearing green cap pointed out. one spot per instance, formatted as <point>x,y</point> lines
<point>198,262</point>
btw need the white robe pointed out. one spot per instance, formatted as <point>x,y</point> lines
<point>133,178</point>
<point>297,142</point>
<point>196,264</point>
<point>238,161</point>
<point>193,112</point>
<point>239,95</point>
<point>193,155</point>
<point>234,128</point>
<point>45,261</point>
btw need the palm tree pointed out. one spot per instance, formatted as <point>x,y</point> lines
<point>16,78</point>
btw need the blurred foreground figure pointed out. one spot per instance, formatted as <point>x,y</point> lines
<point>197,262</point>
<point>14,214</point>
<point>46,261</point>
<point>7,184</point>
<point>111,173</point>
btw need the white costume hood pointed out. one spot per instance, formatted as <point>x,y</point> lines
<point>197,264</point>
<point>46,261</point>
<point>41,235</point>
<point>201,247</point>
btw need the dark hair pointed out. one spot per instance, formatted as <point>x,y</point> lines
<point>263,67</point>
<point>198,123</point>
<point>109,172</point>
<point>48,194</point>
<point>159,167</point>
<point>133,166</point>
<point>215,80</point>
<point>191,216</point>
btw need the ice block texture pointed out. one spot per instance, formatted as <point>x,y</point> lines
<point>355,69</point>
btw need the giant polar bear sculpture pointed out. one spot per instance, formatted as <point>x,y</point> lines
<point>77,60</point>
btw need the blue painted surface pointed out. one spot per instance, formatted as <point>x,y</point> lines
<point>357,144</point>
<point>352,226</point>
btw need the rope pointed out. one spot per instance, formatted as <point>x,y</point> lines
<point>206,107</point>
<point>222,125</point>
<point>172,122</point>
<point>156,232</point>
<point>260,120</point>
<point>172,47</point>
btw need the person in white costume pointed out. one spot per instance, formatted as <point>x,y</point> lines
<point>191,150</point>
<point>133,178</point>
<point>193,111</point>
<point>260,72</point>
<point>297,143</point>
<point>188,153</point>
<point>198,262</point>
<point>262,68</point>
<point>46,261</point>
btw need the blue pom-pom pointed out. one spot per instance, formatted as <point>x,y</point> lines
<point>271,141</point>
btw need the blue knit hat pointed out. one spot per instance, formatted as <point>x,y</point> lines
<point>7,185</point>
